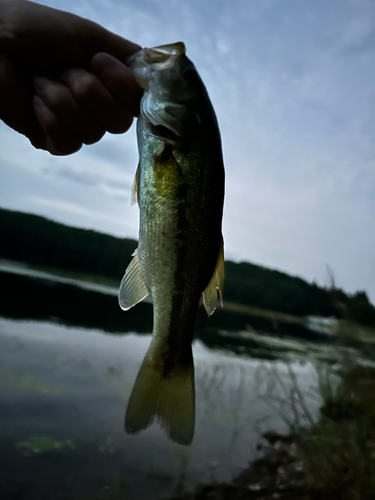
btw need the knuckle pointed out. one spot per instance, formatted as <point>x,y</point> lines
<point>84,86</point>
<point>48,121</point>
<point>55,96</point>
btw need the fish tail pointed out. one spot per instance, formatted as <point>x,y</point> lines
<point>167,396</point>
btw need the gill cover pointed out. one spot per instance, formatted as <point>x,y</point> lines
<point>169,98</point>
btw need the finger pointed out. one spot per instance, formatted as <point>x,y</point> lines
<point>59,139</point>
<point>118,79</point>
<point>15,104</point>
<point>90,92</point>
<point>62,103</point>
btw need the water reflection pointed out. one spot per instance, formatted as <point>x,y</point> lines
<point>64,385</point>
<point>64,303</point>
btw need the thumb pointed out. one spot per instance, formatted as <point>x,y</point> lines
<point>45,38</point>
<point>98,39</point>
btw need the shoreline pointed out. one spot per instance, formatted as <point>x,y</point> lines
<point>332,459</point>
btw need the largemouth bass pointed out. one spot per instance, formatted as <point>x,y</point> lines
<point>179,186</point>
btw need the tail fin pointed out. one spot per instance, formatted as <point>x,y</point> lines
<point>169,399</point>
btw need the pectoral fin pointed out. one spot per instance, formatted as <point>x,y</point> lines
<point>133,288</point>
<point>135,186</point>
<point>214,290</point>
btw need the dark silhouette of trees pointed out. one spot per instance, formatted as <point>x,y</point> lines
<point>36,240</point>
<point>39,241</point>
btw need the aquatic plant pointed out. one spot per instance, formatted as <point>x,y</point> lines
<point>43,444</point>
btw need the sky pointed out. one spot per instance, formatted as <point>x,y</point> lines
<point>292,83</point>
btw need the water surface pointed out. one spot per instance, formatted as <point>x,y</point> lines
<point>68,360</point>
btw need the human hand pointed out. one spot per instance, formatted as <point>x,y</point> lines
<point>62,78</point>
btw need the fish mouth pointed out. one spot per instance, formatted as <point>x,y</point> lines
<point>167,101</point>
<point>162,53</point>
<point>160,57</point>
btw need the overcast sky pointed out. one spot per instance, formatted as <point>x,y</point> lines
<point>293,85</point>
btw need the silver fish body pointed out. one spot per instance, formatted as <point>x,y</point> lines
<point>179,187</point>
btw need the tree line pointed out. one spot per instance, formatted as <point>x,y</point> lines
<point>40,241</point>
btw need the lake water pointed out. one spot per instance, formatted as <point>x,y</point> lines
<point>68,360</point>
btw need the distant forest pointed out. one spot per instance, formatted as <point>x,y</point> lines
<point>39,241</point>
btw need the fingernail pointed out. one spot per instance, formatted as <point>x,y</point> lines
<point>38,104</point>
<point>40,83</point>
<point>103,61</point>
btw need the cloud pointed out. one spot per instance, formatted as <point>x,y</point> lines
<point>366,44</point>
<point>119,189</point>
<point>121,154</point>
<point>73,175</point>
<point>72,208</point>
<point>101,207</point>
<point>292,85</point>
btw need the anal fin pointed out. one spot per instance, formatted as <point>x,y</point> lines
<point>213,293</point>
<point>133,288</point>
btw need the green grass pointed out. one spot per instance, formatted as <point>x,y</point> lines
<point>336,449</point>
<point>338,452</point>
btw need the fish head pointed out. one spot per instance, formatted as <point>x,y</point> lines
<point>169,104</point>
